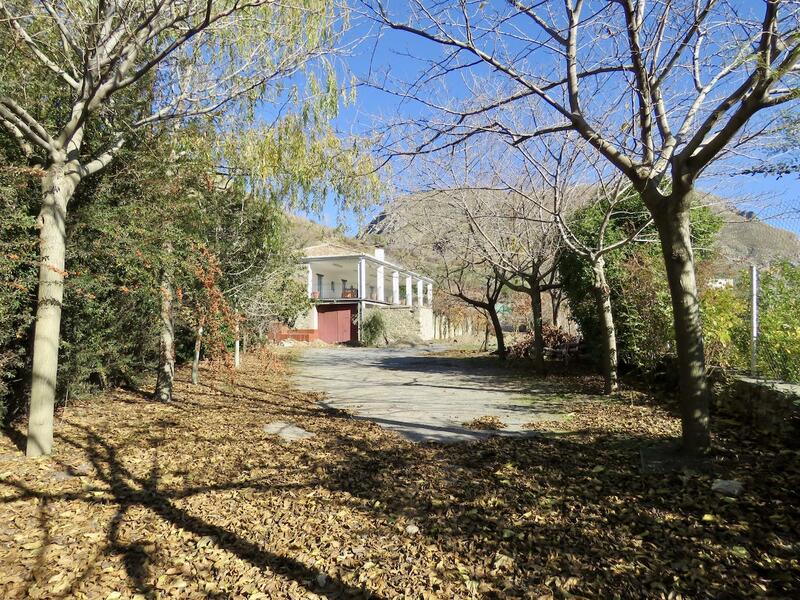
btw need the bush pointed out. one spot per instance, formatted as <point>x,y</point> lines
<point>726,323</point>
<point>18,266</point>
<point>779,322</point>
<point>725,316</point>
<point>373,329</point>
<point>553,338</point>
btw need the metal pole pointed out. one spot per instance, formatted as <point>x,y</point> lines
<point>753,320</point>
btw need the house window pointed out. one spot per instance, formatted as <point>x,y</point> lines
<point>319,284</point>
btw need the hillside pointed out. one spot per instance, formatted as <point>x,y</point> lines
<point>744,239</point>
<point>305,232</point>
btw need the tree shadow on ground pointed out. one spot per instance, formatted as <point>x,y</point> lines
<point>575,515</point>
<point>492,374</point>
<point>126,490</point>
<point>567,515</point>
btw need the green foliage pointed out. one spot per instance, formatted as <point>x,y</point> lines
<point>162,210</point>
<point>300,162</point>
<point>373,328</point>
<point>727,317</point>
<point>779,322</point>
<point>726,313</point>
<point>158,209</point>
<point>639,292</point>
<point>17,277</point>
<point>643,311</point>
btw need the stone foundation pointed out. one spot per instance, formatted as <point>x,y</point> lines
<point>402,323</point>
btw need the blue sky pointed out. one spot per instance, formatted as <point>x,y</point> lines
<point>769,197</point>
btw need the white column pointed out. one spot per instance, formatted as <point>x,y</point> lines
<point>395,287</point>
<point>409,291</point>
<point>379,284</point>
<point>430,294</point>
<point>420,294</point>
<point>310,281</point>
<point>362,278</point>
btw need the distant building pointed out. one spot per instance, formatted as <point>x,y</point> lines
<point>346,284</point>
<point>720,283</point>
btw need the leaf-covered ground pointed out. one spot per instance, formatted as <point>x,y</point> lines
<point>195,500</point>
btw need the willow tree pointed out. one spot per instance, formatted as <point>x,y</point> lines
<point>180,58</point>
<point>661,90</point>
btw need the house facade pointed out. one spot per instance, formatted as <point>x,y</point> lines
<point>346,285</point>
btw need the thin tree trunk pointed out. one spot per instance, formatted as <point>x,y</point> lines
<point>198,342</point>
<point>166,367</point>
<point>57,189</point>
<point>538,336</point>
<point>498,331</point>
<point>555,305</point>
<point>672,223</point>
<point>485,346</point>
<point>602,296</point>
<point>236,358</point>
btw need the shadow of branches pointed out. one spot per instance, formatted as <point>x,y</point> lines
<point>193,499</point>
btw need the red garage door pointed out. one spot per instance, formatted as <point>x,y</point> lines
<point>337,323</point>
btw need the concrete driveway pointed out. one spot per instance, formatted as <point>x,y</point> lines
<point>422,396</point>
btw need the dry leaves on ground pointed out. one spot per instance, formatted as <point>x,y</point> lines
<point>194,500</point>
<point>485,423</point>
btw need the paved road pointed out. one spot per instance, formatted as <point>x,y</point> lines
<point>424,397</point>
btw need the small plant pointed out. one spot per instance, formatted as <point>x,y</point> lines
<point>373,329</point>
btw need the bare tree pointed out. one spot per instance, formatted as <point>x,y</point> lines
<point>660,90</point>
<point>435,228</point>
<point>522,243</point>
<point>480,285</point>
<point>183,58</point>
<point>517,237</point>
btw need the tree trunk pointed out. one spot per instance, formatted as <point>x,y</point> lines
<point>166,367</point>
<point>485,345</point>
<point>498,331</point>
<point>555,305</point>
<point>198,342</point>
<point>602,296</point>
<point>536,317</point>
<point>674,231</point>
<point>236,358</point>
<point>57,189</point>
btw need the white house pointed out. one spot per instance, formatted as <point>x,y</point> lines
<point>346,284</point>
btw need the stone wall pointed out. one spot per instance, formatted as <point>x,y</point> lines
<point>307,319</point>
<point>771,407</point>
<point>425,316</point>
<point>402,323</point>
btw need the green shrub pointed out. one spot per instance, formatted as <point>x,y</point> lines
<point>18,266</point>
<point>373,328</point>
<point>725,316</point>
<point>640,296</point>
<point>779,322</point>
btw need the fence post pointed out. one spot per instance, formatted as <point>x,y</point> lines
<point>753,320</point>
